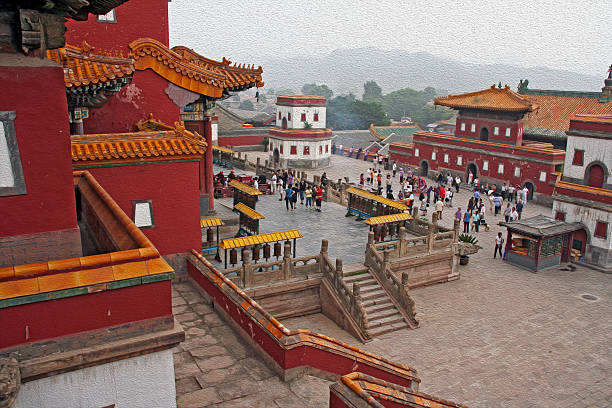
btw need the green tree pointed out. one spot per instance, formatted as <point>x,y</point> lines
<point>403,102</point>
<point>314,89</point>
<point>429,93</point>
<point>372,92</point>
<point>246,105</point>
<point>370,112</point>
<point>339,113</point>
<point>430,114</point>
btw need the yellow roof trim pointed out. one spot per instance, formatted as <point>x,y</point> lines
<point>377,198</point>
<point>211,222</point>
<point>259,239</point>
<point>385,219</point>
<point>222,149</point>
<point>244,188</point>
<point>248,211</point>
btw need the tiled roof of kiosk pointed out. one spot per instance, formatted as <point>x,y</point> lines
<point>244,188</point>
<point>260,239</point>
<point>160,144</point>
<point>248,211</point>
<point>555,112</point>
<point>84,67</point>
<point>189,70</point>
<point>498,99</point>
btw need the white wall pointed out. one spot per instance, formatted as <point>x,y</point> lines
<point>296,115</point>
<point>589,217</point>
<point>594,150</point>
<point>314,149</point>
<point>215,133</point>
<point>145,381</point>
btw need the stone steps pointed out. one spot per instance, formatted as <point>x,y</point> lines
<point>383,316</point>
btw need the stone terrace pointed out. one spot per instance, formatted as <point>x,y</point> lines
<point>213,367</point>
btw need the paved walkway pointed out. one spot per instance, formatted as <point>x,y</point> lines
<point>498,337</point>
<point>214,368</point>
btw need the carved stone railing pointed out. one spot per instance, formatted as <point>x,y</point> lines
<point>398,290</point>
<point>426,244</point>
<point>351,299</point>
<point>251,274</point>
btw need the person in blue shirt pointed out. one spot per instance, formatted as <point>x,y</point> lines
<point>466,222</point>
<point>475,220</point>
<point>498,202</point>
<point>289,197</point>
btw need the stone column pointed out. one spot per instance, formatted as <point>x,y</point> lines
<point>247,270</point>
<point>431,237</point>
<point>287,261</point>
<point>401,239</point>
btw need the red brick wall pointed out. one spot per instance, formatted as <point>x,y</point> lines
<point>135,19</point>
<point>173,187</point>
<point>490,124</point>
<point>247,140</point>
<point>38,95</point>
<point>60,317</point>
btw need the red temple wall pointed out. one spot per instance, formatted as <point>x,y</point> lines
<point>490,124</point>
<point>530,170</point>
<point>173,187</point>
<point>134,19</point>
<point>61,317</point>
<point>146,94</point>
<point>247,140</point>
<point>600,127</point>
<point>38,95</point>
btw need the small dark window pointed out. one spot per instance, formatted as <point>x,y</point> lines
<point>281,149</point>
<point>601,230</point>
<point>316,117</point>
<point>326,148</point>
<point>279,115</point>
<point>306,150</point>
<point>271,147</point>
<point>293,150</point>
<point>578,158</point>
<point>303,118</point>
<point>320,149</point>
<point>560,216</point>
<point>289,116</point>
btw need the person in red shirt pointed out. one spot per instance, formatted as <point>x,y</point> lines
<point>442,193</point>
<point>318,197</point>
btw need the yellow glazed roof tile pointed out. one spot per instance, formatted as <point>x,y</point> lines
<point>377,198</point>
<point>244,188</point>
<point>210,222</point>
<point>248,211</point>
<point>384,219</point>
<point>259,239</point>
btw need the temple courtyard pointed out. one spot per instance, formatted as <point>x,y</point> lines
<point>500,336</point>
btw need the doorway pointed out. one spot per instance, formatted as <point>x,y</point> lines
<point>531,189</point>
<point>284,123</point>
<point>276,155</point>
<point>473,169</point>
<point>484,133</point>
<point>424,168</point>
<point>595,176</point>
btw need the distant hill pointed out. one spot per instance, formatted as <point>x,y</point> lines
<point>345,70</point>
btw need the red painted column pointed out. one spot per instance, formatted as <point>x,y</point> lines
<point>208,159</point>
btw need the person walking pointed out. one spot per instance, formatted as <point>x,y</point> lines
<point>458,214</point>
<point>466,222</point>
<point>499,242</point>
<point>439,207</point>
<point>273,182</point>
<point>365,155</point>
<point>319,197</point>
<point>514,215</point>
<point>379,180</point>
<point>457,183</point>
<point>296,191</point>
<point>475,221</point>
<point>361,180</point>
<point>401,175</point>
<point>280,186</point>
<point>449,197</point>
<point>394,169</point>
<point>289,198</point>
<point>519,208</point>
<point>308,194</point>
<point>497,201</point>
<point>302,191</point>
<point>507,212</point>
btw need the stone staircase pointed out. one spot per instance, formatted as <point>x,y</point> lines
<point>383,315</point>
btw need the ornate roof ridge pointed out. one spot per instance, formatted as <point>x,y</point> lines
<point>225,64</point>
<point>516,97</point>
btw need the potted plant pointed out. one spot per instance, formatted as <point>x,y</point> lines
<point>471,241</point>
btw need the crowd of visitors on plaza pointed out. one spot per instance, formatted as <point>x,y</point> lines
<point>290,189</point>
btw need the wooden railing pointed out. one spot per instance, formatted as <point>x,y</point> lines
<point>396,289</point>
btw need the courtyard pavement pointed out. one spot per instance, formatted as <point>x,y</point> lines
<point>500,336</point>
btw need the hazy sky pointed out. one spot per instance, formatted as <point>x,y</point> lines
<point>572,35</point>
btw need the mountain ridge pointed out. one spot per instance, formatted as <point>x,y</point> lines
<point>346,69</point>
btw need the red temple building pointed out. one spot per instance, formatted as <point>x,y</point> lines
<point>85,297</point>
<point>488,142</point>
<point>584,193</point>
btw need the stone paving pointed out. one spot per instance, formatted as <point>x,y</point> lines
<point>500,336</point>
<point>214,368</point>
